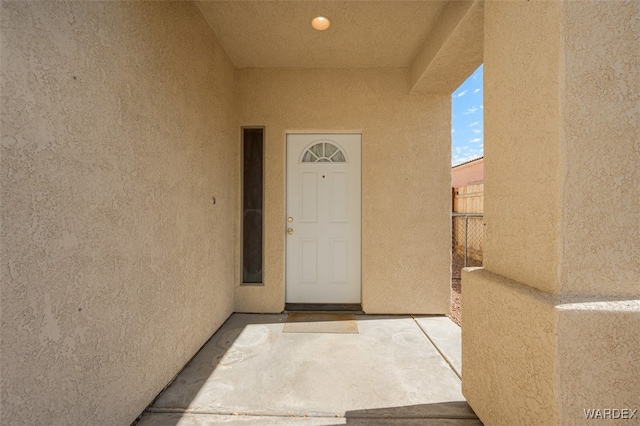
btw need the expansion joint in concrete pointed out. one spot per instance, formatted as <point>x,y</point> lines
<point>437,347</point>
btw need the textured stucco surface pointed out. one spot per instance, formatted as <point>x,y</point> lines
<point>452,50</point>
<point>522,133</point>
<point>118,128</point>
<point>598,356</point>
<point>278,34</point>
<point>543,359</point>
<point>508,360</point>
<point>561,257</point>
<point>601,185</point>
<point>405,179</point>
<point>561,123</point>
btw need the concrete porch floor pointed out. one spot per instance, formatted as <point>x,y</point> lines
<point>398,370</point>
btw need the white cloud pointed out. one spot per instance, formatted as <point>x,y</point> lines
<point>476,91</point>
<point>481,107</point>
<point>477,131</point>
<point>464,158</point>
<point>453,130</point>
<point>475,123</point>
<point>470,110</point>
<point>476,140</point>
<point>464,92</point>
<point>466,153</point>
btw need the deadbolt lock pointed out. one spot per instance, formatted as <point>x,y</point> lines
<point>290,219</point>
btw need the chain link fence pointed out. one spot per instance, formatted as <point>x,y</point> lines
<point>466,249</point>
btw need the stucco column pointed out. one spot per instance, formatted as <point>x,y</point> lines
<point>551,325</point>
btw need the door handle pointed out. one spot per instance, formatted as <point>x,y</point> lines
<point>290,231</point>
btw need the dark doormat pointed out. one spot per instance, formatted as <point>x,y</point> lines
<point>354,308</point>
<point>321,323</point>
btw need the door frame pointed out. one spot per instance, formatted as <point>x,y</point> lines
<point>287,133</point>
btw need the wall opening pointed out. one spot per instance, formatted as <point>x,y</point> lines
<point>252,205</point>
<point>467,182</point>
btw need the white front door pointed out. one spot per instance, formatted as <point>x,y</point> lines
<point>323,218</point>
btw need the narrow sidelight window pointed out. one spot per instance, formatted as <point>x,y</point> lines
<point>252,204</point>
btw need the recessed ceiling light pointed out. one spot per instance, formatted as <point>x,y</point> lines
<point>321,23</point>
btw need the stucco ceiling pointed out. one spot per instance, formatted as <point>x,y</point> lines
<point>258,33</point>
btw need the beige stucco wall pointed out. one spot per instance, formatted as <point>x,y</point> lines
<point>406,200</point>
<point>508,351</point>
<point>118,127</point>
<point>562,94</point>
<point>601,174</point>
<point>522,149</point>
<point>598,355</point>
<point>451,51</point>
<point>562,261</point>
<point>533,358</point>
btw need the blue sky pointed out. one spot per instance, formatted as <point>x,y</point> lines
<point>467,122</point>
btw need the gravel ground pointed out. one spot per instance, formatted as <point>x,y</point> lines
<point>457,263</point>
<point>456,301</point>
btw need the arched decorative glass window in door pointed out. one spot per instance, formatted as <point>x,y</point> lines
<point>324,152</point>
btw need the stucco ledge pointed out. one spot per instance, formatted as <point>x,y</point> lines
<point>527,354</point>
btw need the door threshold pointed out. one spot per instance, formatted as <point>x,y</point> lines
<point>324,307</point>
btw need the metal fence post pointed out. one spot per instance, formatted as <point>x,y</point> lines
<point>466,239</point>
